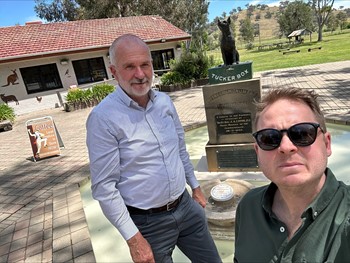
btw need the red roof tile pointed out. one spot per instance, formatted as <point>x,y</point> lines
<point>41,39</point>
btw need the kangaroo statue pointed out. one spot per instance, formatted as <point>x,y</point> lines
<point>229,52</point>
<point>11,79</point>
<point>8,98</point>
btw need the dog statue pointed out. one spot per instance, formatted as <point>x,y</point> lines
<point>227,43</point>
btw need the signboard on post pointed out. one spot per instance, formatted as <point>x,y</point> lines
<point>43,137</point>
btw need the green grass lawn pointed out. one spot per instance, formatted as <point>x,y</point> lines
<point>335,47</point>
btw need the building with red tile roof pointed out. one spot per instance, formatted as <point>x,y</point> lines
<point>38,59</point>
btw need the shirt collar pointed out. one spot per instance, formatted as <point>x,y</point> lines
<point>129,101</point>
<point>324,197</point>
<point>317,206</point>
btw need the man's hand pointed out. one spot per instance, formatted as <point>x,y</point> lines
<point>140,249</point>
<point>198,195</point>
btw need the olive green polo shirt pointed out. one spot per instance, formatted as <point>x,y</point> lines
<point>324,235</point>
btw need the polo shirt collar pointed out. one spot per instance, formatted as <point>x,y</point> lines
<point>317,206</point>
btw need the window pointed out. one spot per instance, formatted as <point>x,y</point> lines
<point>161,60</point>
<point>41,78</point>
<point>89,70</point>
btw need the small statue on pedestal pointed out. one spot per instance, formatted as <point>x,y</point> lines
<point>227,43</point>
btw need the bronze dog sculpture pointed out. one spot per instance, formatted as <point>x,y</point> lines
<point>229,52</point>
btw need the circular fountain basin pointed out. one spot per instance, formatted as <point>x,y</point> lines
<point>222,199</point>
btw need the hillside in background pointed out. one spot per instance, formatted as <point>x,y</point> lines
<point>266,18</point>
<point>269,27</point>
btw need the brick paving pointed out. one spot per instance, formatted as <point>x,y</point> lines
<point>41,213</point>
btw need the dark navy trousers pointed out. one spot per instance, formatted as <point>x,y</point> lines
<point>185,226</point>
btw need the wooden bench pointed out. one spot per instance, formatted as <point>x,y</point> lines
<point>314,48</point>
<point>283,49</point>
<point>291,51</point>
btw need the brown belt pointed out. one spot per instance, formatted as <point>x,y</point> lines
<point>168,207</point>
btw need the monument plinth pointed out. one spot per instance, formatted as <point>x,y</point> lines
<point>230,113</point>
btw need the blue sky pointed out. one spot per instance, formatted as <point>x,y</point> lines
<point>14,12</point>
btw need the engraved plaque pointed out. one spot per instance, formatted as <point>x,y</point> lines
<point>231,157</point>
<point>236,158</point>
<point>230,110</point>
<point>235,123</point>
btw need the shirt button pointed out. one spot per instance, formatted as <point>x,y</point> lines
<point>315,213</point>
<point>282,229</point>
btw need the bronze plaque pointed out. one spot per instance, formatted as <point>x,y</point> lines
<point>236,158</point>
<point>231,157</point>
<point>235,123</point>
<point>230,110</point>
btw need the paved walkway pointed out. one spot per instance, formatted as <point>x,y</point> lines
<point>41,212</point>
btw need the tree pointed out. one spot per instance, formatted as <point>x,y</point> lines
<point>57,10</point>
<point>189,15</point>
<point>233,11</point>
<point>332,23</point>
<point>246,29</point>
<point>263,7</point>
<point>322,9</point>
<point>256,28</point>
<point>341,18</point>
<point>268,15</point>
<point>283,5</point>
<point>296,15</point>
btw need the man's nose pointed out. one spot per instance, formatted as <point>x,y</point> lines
<point>286,144</point>
<point>139,73</point>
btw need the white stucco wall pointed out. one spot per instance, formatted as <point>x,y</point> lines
<point>50,99</point>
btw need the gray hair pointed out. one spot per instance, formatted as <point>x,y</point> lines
<point>127,38</point>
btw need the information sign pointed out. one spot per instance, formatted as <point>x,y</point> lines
<point>43,137</point>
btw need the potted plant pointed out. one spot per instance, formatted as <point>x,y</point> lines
<point>7,117</point>
<point>79,99</point>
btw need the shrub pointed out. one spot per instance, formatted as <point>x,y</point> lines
<point>74,95</point>
<point>97,92</point>
<point>249,46</point>
<point>7,113</point>
<point>190,66</point>
<point>172,77</point>
<point>81,98</point>
<point>100,91</point>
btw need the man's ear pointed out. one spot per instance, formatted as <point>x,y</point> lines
<point>327,138</point>
<point>113,71</point>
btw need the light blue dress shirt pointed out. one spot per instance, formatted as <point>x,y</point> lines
<point>137,156</point>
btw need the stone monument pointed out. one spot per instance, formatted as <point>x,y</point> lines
<point>230,112</point>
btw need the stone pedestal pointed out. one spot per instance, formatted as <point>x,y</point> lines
<point>230,113</point>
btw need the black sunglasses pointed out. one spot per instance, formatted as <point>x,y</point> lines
<point>301,134</point>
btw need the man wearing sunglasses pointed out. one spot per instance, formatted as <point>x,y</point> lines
<point>303,214</point>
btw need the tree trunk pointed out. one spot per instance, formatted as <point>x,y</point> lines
<point>319,39</point>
